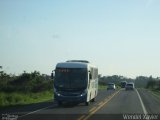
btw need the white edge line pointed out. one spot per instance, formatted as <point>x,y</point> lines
<point>35,111</point>
<point>143,107</point>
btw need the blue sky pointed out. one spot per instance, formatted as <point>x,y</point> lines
<point>121,37</point>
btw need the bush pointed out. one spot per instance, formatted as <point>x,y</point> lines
<point>26,82</point>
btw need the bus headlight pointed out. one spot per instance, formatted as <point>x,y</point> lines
<point>56,92</point>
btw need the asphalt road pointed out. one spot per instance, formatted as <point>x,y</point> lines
<point>109,105</point>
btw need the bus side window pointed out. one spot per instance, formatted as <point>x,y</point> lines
<point>90,76</point>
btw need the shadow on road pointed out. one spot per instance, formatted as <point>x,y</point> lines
<point>26,108</point>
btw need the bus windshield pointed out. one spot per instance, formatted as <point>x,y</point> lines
<point>70,78</point>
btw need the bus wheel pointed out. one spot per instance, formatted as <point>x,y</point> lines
<point>93,100</point>
<point>87,103</point>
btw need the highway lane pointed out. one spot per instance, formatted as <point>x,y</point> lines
<point>108,104</point>
<point>77,109</point>
<point>124,102</point>
<point>128,103</point>
<point>51,108</point>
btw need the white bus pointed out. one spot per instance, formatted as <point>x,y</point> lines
<point>75,81</point>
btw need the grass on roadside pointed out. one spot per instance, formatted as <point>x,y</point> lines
<point>13,99</point>
<point>102,87</point>
<point>156,93</point>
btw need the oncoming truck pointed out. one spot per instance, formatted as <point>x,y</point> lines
<point>75,81</point>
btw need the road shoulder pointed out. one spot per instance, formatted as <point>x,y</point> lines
<point>150,101</point>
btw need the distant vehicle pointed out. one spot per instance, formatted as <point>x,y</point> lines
<point>129,86</point>
<point>111,86</point>
<point>123,84</point>
<point>75,81</point>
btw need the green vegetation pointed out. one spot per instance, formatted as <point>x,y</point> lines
<point>153,85</point>
<point>156,93</point>
<point>17,98</point>
<point>35,87</point>
<point>140,81</point>
<point>102,87</point>
<point>104,80</point>
<point>26,82</point>
<point>26,88</point>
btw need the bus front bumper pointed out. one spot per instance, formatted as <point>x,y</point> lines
<point>76,99</point>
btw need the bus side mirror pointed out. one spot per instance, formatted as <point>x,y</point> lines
<point>52,76</point>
